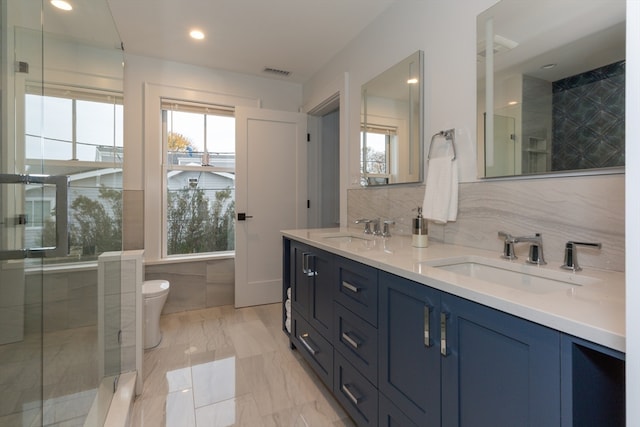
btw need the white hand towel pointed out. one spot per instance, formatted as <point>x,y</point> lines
<point>441,195</point>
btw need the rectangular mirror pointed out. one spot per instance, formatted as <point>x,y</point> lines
<point>551,85</point>
<point>391,127</point>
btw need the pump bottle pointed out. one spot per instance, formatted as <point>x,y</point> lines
<point>420,237</point>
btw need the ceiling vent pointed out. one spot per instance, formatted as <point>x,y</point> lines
<point>277,72</point>
<point>500,44</point>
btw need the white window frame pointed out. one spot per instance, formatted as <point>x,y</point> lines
<point>75,94</point>
<point>390,132</point>
<point>154,163</point>
<point>197,108</point>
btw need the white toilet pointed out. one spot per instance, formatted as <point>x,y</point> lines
<point>155,294</point>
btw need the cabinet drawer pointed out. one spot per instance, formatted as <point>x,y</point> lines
<point>314,348</point>
<point>390,416</point>
<point>357,289</point>
<point>357,341</point>
<point>357,395</point>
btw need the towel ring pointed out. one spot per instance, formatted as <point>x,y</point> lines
<point>448,135</point>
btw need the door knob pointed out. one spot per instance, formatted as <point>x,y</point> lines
<point>243,216</point>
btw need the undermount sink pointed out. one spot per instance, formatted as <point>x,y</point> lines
<point>515,275</point>
<point>344,237</point>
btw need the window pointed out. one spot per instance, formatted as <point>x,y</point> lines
<point>199,147</point>
<point>75,132</point>
<point>37,211</point>
<point>375,143</point>
<point>73,124</point>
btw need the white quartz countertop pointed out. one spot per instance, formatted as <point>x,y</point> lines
<point>593,309</point>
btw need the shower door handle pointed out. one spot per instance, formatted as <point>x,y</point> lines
<point>62,243</point>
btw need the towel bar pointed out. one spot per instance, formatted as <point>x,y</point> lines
<point>448,135</point>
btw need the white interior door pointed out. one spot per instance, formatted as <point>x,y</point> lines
<point>271,191</point>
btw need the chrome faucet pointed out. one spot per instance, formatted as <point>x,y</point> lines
<point>571,254</point>
<point>367,225</point>
<point>536,254</point>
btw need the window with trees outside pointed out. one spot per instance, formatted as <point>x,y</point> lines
<point>375,143</point>
<point>199,147</point>
<point>76,132</point>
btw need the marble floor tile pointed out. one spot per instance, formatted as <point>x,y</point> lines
<point>231,367</point>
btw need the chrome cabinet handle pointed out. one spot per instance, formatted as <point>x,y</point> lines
<point>352,397</point>
<point>351,287</point>
<point>427,326</point>
<point>306,269</point>
<point>303,339</point>
<point>443,334</point>
<point>352,341</point>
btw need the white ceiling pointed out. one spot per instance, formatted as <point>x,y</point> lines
<point>245,36</point>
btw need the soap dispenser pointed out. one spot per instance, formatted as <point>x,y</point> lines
<point>420,238</point>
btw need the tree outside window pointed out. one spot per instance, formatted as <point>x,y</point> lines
<point>200,178</point>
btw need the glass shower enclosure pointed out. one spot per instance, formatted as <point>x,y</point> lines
<point>60,210</point>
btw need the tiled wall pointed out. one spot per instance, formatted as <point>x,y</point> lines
<point>61,299</point>
<point>195,284</point>
<point>133,219</point>
<point>584,208</point>
<point>589,108</point>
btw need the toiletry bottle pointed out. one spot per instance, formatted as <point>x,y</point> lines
<point>420,238</point>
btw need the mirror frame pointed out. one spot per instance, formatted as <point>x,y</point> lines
<point>531,48</point>
<point>400,117</point>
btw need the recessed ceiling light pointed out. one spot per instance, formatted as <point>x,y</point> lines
<point>196,34</point>
<point>513,103</point>
<point>548,66</point>
<point>412,81</point>
<point>61,4</point>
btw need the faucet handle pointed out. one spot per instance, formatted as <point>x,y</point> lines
<point>367,225</point>
<point>385,230</point>
<point>536,255</point>
<point>571,254</point>
<point>508,251</point>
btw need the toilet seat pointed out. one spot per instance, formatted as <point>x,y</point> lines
<point>155,288</point>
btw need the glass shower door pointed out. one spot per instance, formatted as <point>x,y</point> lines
<point>59,326</point>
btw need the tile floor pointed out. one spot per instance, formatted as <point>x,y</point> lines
<point>226,367</point>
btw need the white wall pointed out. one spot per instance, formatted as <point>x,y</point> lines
<point>633,211</point>
<point>142,173</point>
<point>445,31</point>
<point>270,93</point>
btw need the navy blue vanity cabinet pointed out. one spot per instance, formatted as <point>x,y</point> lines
<point>390,416</point>
<point>354,392</point>
<point>408,348</point>
<point>593,384</point>
<point>356,288</point>
<point>446,361</point>
<point>497,369</point>
<point>312,287</point>
<point>312,275</point>
<point>355,340</point>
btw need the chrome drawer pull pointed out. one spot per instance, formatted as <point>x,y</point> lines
<point>352,341</point>
<point>351,287</point>
<point>350,395</point>
<point>427,326</point>
<point>443,334</point>
<point>303,340</point>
